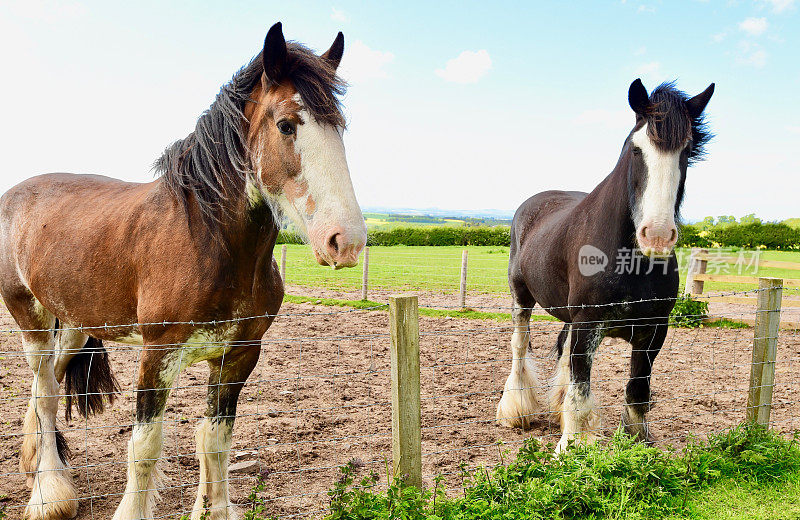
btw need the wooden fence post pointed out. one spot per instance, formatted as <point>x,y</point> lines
<point>765,343</point>
<point>283,263</point>
<point>697,265</point>
<point>365,274</point>
<point>406,412</point>
<point>463,286</point>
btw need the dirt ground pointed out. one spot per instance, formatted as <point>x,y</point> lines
<point>320,397</point>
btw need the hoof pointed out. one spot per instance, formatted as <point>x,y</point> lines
<point>217,513</point>
<point>53,497</point>
<point>517,408</point>
<point>636,427</point>
<point>574,439</point>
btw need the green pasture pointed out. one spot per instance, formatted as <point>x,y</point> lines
<point>437,269</point>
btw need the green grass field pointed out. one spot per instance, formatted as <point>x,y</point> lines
<point>405,268</point>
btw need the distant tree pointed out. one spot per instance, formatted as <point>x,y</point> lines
<point>749,219</point>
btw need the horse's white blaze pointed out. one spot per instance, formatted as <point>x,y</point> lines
<point>323,202</point>
<point>654,214</point>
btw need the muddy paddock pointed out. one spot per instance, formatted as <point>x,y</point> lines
<point>320,397</point>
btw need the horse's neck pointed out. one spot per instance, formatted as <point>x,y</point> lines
<point>249,234</point>
<point>609,209</point>
<point>243,236</point>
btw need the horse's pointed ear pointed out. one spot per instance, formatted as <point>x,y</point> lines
<point>274,55</point>
<point>334,54</point>
<point>638,98</point>
<point>697,104</point>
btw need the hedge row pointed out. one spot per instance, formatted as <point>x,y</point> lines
<point>749,236</point>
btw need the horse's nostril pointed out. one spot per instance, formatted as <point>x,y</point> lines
<point>333,242</point>
<point>673,235</point>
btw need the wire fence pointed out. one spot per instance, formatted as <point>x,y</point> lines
<point>321,396</point>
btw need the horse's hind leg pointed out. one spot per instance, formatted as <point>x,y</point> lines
<point>214,435</point>
<point>43,454</point>
<point>646,345</point>
<point>579,416</point>
<point>561,378</point>
<point>520,400</point>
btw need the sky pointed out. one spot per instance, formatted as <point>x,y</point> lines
<point>451,105</point>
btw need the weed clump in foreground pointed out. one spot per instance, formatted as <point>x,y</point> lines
<point>623,479</point>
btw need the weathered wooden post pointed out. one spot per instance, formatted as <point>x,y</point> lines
<point>463,286</point>
<point>283,263</point>
<point>765,343</point>
<point>697,265</point>
<point>406,412</point>
<point>365,274</point>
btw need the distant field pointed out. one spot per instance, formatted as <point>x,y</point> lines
<point>438,269</point>
<point>386,221</point>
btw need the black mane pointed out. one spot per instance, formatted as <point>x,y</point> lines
<point>212,163</point>
<point>669,122</point>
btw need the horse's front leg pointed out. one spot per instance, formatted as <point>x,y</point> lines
<point>580,420</point>
<point>226,379</point>
<point>157,371</point>
<point>646,345</point>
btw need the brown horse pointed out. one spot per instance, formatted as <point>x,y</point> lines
<point>178,265</point>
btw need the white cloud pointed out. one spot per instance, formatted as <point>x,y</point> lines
<point>360,63</point>
<point>751,54</point>
<point>719,37</point>
<point>337,15</point>
<point>646,9</point>
<point>640,51</point>
<point>793,129</point>
<point>753,26</point>
<point>779,6</point>
<point>652,68</point>
<point>467,67</point>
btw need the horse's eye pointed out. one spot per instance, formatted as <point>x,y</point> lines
<point>285,127</point>
<point>637,150</point>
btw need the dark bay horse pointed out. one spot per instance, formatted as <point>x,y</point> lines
<point>178,265</point>
<point>589,258</point>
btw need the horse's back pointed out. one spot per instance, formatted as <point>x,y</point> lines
<point>542,210</point>
<point>59,231</point>
<point>64,207</point>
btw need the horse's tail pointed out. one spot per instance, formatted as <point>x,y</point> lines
<point>90,382</point>
<point>558,348</point>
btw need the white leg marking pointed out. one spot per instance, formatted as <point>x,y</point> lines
<point>213,447</point>
<point>520,398</point>
<point>53,495</point>
<point>560,382</point>
<point>141,490</point>
<point>580,419</point>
